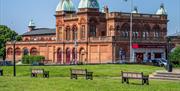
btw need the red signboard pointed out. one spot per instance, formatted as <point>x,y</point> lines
<point>135,46</point>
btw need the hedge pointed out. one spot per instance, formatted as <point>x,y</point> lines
<point>29,59</point>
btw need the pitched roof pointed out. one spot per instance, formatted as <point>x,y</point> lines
<point>40,31</point>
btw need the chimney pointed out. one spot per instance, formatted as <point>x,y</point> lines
<point>31,26</point>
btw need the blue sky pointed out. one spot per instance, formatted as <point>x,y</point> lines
<point>16,14</point>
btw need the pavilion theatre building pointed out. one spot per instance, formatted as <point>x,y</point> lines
<point>89,35</point>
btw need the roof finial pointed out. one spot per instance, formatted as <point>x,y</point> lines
<point>162,5</point>
<point>31,25</point>
<point>135,10</point>
<point>162,10</point>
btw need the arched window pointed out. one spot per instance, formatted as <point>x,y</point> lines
<point>33,51</point>
<point>26,39</point>
<point>59,55</point>
<point>82,55</point>
<point>92,30</point>
<point>156,30</point>
<point>136,31</point>
<point>146,32</point>
<point>118,28</point>
<point>68,33</point>
<point>92,26</point>
<point>18,51</point>
<point>74,32</point>
<point>125,30</point>
<point>118,32</point>
<point>25,51</point>
<point>68,56</point>
<point>82,33</point>
<point>9,51</point>
<point>59,33</point>
<point>42,39</point>
<point>74,54</point>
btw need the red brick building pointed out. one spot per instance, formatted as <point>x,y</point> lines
<point>175,38</point>
<point>89,35</point>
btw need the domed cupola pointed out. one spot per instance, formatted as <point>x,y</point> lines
<point>66,5</point>
<point>162,10</point>
<point>89,4</point>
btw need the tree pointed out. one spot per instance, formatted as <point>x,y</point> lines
<point>174,57</point>
<point>6,34</point>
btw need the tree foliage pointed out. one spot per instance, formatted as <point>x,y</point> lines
<point>6,34</point>
<point>175,56</point>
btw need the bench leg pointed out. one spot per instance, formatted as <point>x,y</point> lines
<point>46,75</point>
<point>73,76</point>
<point>33,75</point>
<point>122,80</point>
<point>89,77</point>
<point>143,81</point>
<point>147,81</point>
<point>127,80</point>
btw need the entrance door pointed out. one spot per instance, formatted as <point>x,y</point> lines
<point>82,55</point>
<point>139,57</point>
<point>59,56</point>
<point>157,55</point>
<point>68,56</point>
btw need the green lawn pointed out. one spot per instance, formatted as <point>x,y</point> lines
<point>99,70</point>
<point>106,79</point>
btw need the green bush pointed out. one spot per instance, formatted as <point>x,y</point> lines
<point>174,57</point>
<point>29,59</point>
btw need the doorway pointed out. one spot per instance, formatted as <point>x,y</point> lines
<point>68,56</point>
<point>59,56</point>
<point>139,57</point>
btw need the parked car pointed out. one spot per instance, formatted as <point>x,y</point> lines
<point>164,62</point>
<point>37,64</point>
<point>6,63</point>
<point>160,62</point>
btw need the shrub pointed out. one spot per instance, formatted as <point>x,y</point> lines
<point>174,57</point>
<point>29,59</point>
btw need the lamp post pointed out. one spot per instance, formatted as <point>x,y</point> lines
<point>130,35</point>
<point>75,46</point>
<point>169,66</point>
<point>131,27</point>
<point>14,57</point>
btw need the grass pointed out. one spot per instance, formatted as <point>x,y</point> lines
<point>99,70</point>
<point>98,84</point>
<point>106,79</point>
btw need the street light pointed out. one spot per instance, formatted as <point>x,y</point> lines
<point>169,66</point>
<point>131,27</point>
<point>75,46</point>
<point>14,57</point>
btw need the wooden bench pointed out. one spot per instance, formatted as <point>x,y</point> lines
<point>134,75</point>
<point>35,72</point>
<point>75,72</point>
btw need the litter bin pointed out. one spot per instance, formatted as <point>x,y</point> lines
<point>1,72</point>
<point>169,68</point>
